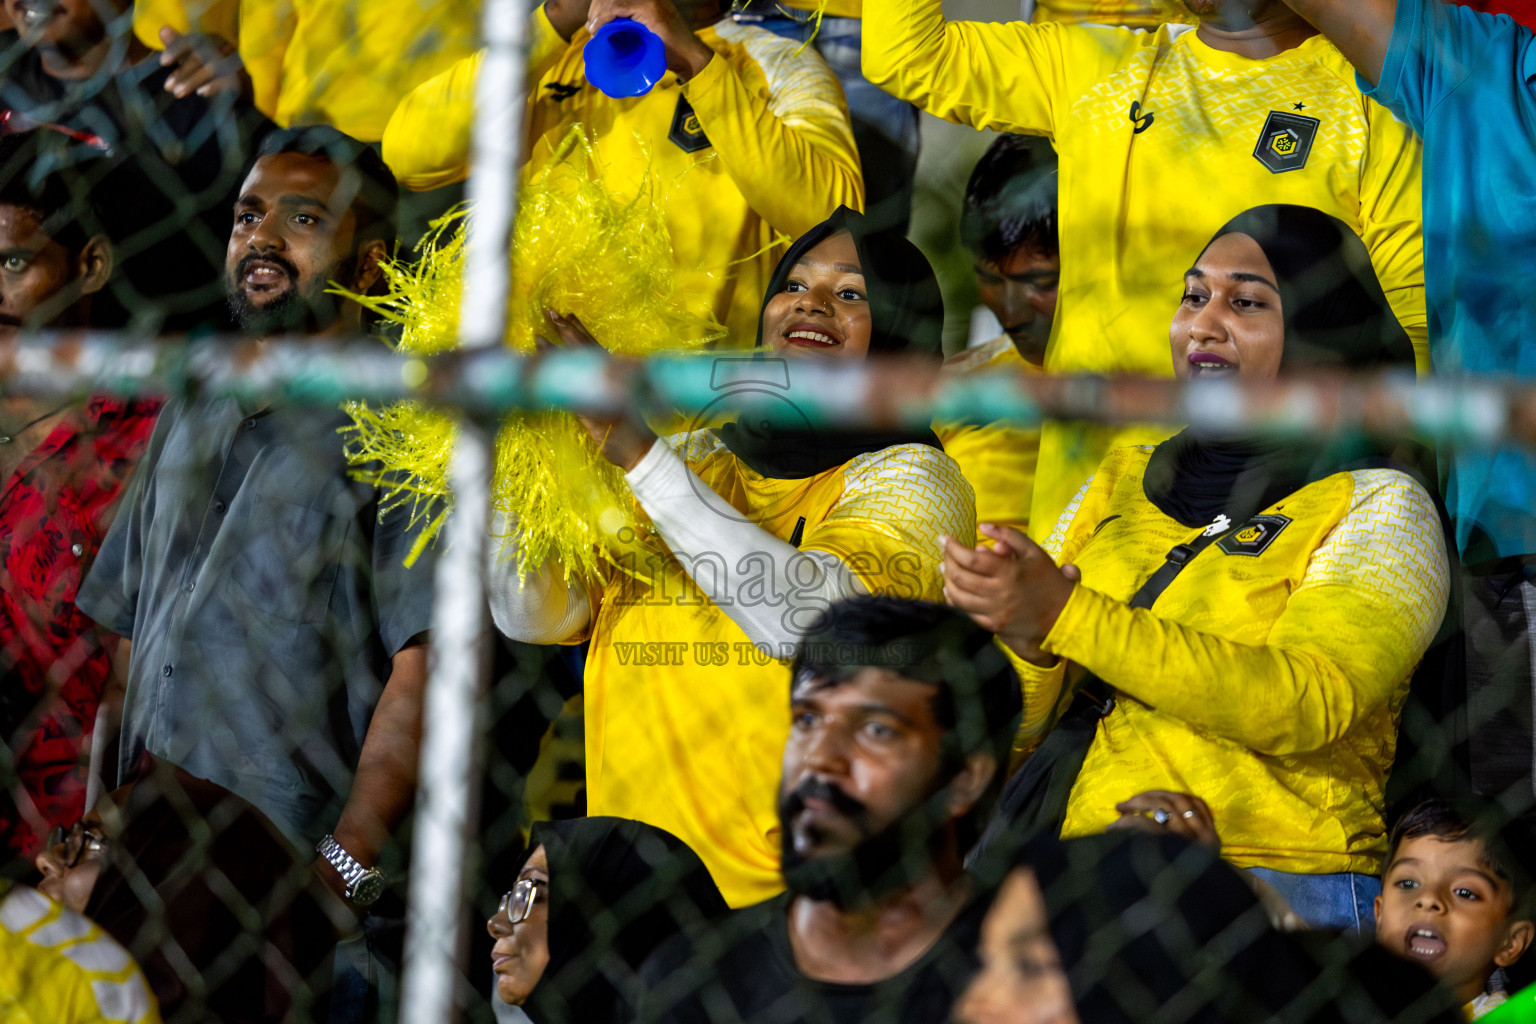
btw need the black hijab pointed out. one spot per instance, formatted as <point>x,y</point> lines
<point>907,316</point>
<point>617,890</point>
<point>199,876</point>
<point>1336,315</point>
<point>1154,928</point>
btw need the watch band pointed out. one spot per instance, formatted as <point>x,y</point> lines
<point>346,865</point>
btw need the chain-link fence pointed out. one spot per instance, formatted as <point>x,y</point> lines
<point>365,658</point>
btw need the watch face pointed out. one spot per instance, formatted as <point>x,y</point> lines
<point>367,888</point>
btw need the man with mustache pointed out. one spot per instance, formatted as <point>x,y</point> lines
<point>276,642</point>
<point>63,465</point>
<point>1163,137</point>
<point>1008,223</point>
<point>903,712</point>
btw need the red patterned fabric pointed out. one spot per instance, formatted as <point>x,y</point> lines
<point>1523,11</point>
<point>54,513</point>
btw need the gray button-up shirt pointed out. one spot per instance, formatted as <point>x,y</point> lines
<point>265,596</point>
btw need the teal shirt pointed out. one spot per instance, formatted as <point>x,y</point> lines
<point>1466,83</point>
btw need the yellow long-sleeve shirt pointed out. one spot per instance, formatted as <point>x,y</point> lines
<point>1268,678</point>
<point>998,459</point>
<point>830,8</point>
<point>685,720</point>
<point>756,147</point>
<point>1130,13</point>
<point>339,62</point>
<point>1162,140</point>
<point>58,967</point>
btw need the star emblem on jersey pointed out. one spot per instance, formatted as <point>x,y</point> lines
<point>1221,524</point>
<point>1256,535</point>
<point>687,134</point>
<point>1286,141</point>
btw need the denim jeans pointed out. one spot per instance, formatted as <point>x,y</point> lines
<point>1343,902</point>
<point>884,127</point>
<point>367,975</point>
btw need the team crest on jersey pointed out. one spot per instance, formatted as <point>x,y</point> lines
<point>687,134</point>
<point>1256,535</point>
<point>1286,141</point>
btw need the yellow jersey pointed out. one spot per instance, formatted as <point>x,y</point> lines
<point>1161,140</point>
<point>686,718</point>
<point>1129,13</point>
<point>1485,1004</point>
<point>830,8</point>
<point>998,459</point>
<point>755,150</point>
<point>1269,676</point>
<point>57,967</point>
<point>326,62</point>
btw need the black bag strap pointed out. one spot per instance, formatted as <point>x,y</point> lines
<point>1100,696</point>
<point>1036,797</point>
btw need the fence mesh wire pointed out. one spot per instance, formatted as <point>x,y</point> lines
<point>216,613</point>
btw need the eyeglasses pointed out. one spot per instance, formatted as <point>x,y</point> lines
<point>77,841</point>
<point>518,903</point>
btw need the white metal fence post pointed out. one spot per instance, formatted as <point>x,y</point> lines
<point>448,791</point>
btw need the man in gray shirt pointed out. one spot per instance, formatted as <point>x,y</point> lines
<point>277,642</point>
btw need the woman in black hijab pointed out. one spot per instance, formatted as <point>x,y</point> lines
<point>227,918</point>
<point>757,529</point>
<point>595,897</point>
<point>1117,929</point>
<point>1239,615</point>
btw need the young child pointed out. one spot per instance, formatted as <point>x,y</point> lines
<point>1455,899</point>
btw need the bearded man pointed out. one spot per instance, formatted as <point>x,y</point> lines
<point>902,712</point>
<point>276,642</point>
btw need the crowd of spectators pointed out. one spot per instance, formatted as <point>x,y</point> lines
<point>973,721</point>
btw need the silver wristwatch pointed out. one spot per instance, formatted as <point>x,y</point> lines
<point>364,885</point>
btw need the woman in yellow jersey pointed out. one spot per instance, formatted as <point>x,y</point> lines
<point>757,530</point>
<point>1240,615</point>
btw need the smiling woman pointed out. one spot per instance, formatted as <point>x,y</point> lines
<point>756,529</point>
<point>823,305</point>
<point>1240,614</point>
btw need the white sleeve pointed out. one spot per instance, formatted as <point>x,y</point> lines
<point>695,521</point>
<point>543,608</point>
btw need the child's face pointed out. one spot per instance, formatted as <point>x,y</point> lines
<point>1441,907</point>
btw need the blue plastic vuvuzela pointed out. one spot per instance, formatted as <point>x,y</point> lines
<point>624,58</point>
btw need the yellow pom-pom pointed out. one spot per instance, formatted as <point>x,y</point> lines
<point>576,250</point>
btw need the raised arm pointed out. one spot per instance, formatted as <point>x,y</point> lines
<point>1010,77</point>
<point>426,142</point>
<point>784,138</point>
<point>1360,29</point>
<point>790,150</point>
